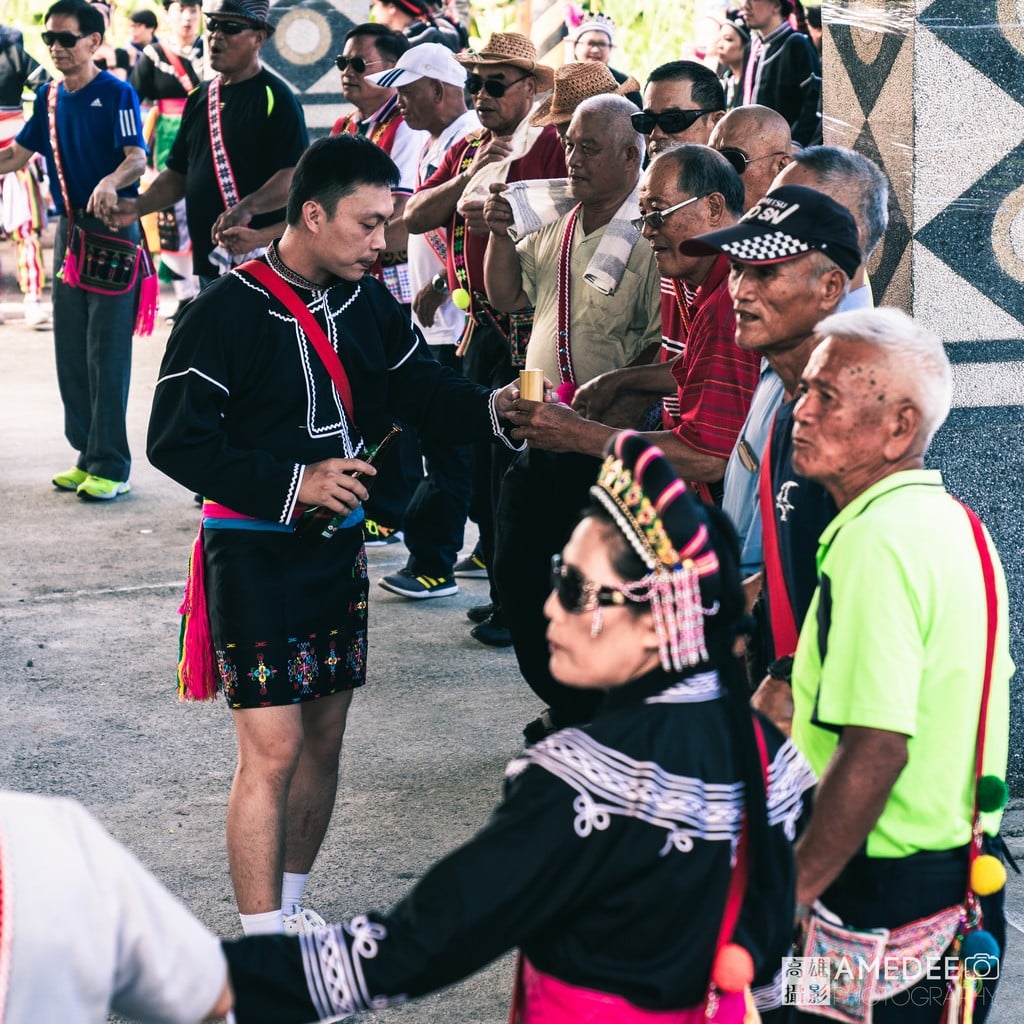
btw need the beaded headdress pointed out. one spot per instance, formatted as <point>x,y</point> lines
<point>664,524</point>
<point>595,23</point>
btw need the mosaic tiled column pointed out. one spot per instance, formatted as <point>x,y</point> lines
<point>309,36</point>
<point>933,90</point>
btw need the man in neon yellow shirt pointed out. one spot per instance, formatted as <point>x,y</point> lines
<point>889,668</point>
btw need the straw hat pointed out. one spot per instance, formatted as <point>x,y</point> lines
<point>575,83</point>
<point>510,48</point>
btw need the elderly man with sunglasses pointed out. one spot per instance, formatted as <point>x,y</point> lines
<point>241,135</point>
<point>709,386</point>
<point>92,121</point>
<point>683,101</point>
<point>756,141</point>
<point>504,79</point>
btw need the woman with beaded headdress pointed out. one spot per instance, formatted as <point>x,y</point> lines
<point>640,863</point>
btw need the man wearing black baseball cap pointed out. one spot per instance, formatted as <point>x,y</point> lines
<point>793,255</point>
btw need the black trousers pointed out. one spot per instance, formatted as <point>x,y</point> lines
<point>542,496</point>
<point>888,893</point>
<point>487,361</point>
<point>435,518</point>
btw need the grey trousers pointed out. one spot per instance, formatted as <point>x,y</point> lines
<point>92,336</point>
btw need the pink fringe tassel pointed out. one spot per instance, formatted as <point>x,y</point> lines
<point>69,273</point>
<point>565,391</point>
<point>197,667</point>
<point>149,297</point>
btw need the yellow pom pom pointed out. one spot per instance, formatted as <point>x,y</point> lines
<point>461,298</point>
<point>733,969</point>
<point>987,875</point>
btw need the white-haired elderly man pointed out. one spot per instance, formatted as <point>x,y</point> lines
<point>902,667</point>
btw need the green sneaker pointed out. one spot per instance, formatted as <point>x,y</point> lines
<point>95,488</point>
<point>70,480</point>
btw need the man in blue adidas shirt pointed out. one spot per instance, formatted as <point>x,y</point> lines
<point>102,155</point>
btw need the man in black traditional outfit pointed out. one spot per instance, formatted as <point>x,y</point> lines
<point>245,413</point>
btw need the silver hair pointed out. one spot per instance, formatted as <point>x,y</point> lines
<point>914,355</point>
<point>846,168</point>
<point>615,112</point>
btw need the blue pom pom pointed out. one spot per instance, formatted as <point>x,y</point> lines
<point>980,954</point>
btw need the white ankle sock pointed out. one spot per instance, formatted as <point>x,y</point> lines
<point>292,885</point>
<point>270,923</point>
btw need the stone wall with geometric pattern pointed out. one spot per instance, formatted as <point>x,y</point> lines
<point>309,35</point>
<point>933,90</point>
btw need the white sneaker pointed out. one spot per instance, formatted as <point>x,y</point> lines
<point>303,922</point>
<point>36,315</point>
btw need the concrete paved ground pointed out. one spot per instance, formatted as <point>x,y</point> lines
<point>88,595</point>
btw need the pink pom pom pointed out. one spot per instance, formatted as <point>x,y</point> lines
<point>733,969</point>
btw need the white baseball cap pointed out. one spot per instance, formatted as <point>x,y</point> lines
<point>426,60</point>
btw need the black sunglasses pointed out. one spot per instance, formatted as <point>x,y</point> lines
<point>492,86</point>
<point>227,28</point>
<point>66,39</point>
<point>576,594</point>
<point>740,160</point>
<point>671,122</point>
<point>357,64</point>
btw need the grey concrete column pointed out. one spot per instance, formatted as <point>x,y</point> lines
<point>933,90</point>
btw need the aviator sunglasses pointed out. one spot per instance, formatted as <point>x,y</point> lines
<point>67,40</point>
<point>227,28</point>
<point>655,220</point>
<point>576,594</point>
<point>492,86</point>
<point>357,64</point>
<point>671,122</point>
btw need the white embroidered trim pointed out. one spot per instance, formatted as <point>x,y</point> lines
<point>332,959</point>
<point>198,373</point>
<point>768,997</point>
<point>293,492</point>
<point>608,782</point>
<point>695,690</point>
<point>789,777</point>
<point>497,429</point>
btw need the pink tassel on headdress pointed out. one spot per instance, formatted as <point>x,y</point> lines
<point>197,665</point>
<point>149,297</point>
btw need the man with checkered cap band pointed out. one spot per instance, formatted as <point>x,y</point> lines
<point>241,134</point>
<point>793,255</point>
<point>504,80</point>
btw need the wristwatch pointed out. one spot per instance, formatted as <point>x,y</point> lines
<point>439,282</point>
<point>782,669</point>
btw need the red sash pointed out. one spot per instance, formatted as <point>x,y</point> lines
<point>221,163</point>
<point>780,607</point>
<point>281,291</point>
<point>179,69</point>
<point>563,339</point>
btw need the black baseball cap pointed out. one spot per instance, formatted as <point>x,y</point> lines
<point>788,222</point>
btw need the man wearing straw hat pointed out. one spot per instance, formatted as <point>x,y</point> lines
<point>575,83</point>
<point>504,79</point>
